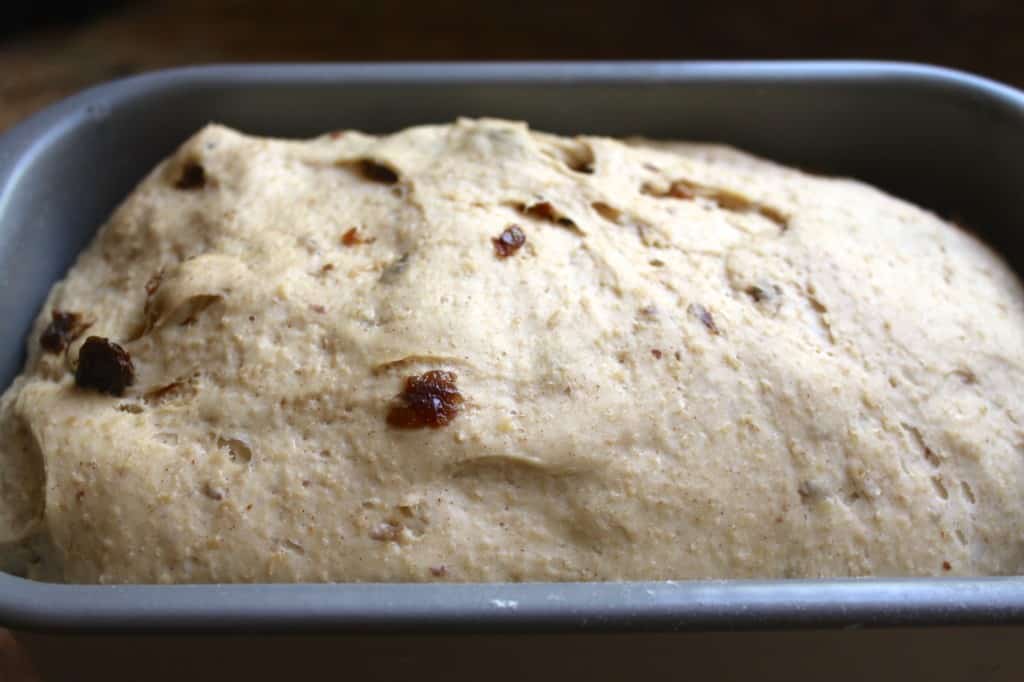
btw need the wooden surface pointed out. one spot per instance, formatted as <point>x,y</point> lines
<point>35,69</point>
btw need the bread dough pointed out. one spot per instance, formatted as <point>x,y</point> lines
<point>698,365</point>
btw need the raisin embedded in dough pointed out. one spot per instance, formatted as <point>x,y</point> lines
<point>429,400</point>
<point>509,241</point>
<point>104,366</point>
<point>64,327</point>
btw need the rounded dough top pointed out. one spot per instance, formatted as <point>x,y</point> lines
<point>698,364</point>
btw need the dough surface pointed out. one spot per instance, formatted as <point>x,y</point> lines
<point>698,365</point>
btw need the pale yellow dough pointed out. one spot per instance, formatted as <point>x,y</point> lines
<point>763,373</point>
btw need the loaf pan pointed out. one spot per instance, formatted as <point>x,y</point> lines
<point>946,140</point>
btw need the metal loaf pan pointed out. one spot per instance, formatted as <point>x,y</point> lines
<point>946,140</point>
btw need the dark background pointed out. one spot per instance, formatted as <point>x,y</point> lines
<point>48,49</point>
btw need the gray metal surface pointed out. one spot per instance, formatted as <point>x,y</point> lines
<point>949,141</point>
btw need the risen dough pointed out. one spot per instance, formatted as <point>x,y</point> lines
<point>699,364</point>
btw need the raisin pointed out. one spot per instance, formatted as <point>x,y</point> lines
<point>64,328</point>
<point>193,176</point>
<point>439,571</point>
<point>376,172</point>
<point>509,241</point>
<point>353,238</point>
<point>946,566</point>
<point>656,353</point>
<point>704,315</point>
<point>104,366</point>
<point>429,400</point>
